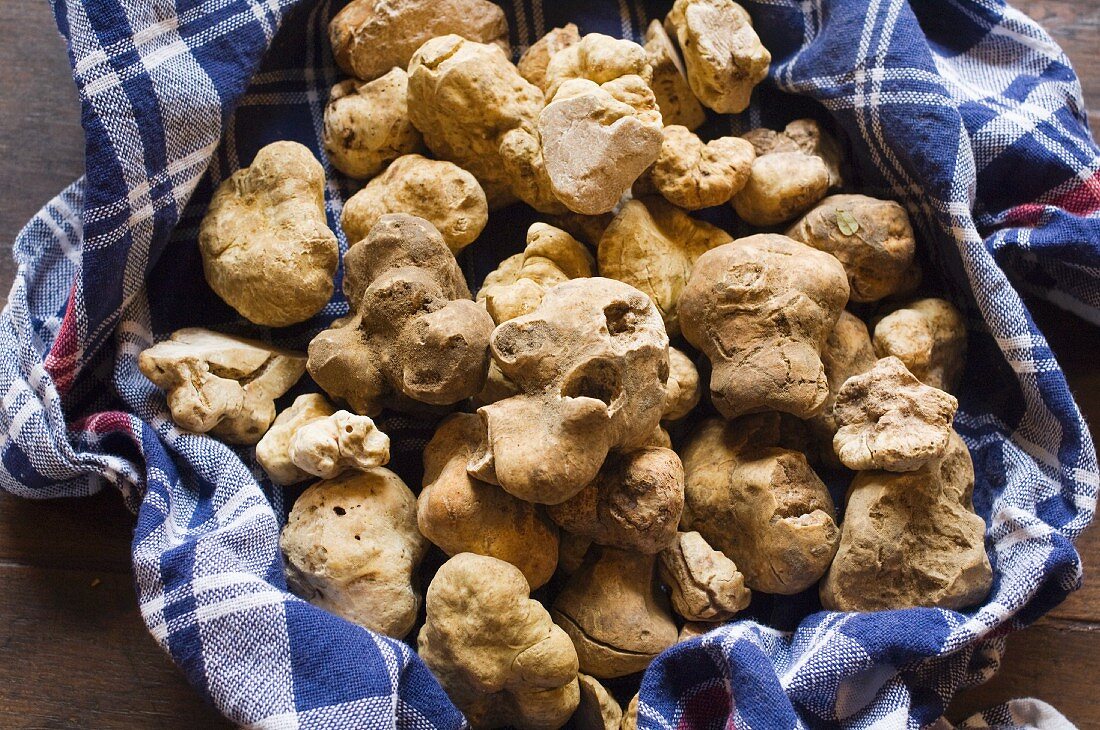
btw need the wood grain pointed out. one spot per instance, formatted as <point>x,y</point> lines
<point>1056,661</point>
<point>71,658</point>
<point>73,649</point>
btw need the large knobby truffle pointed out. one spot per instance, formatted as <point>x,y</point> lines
<point>475,110</point>
<point>266,246</point>
<point>724,57</point>
<point>590,362</point>
<point>761,308</point>
<point>759,503</point>
<point>495,650</point>
<point>414,335</point>
<point>781,186</point>
<point>441,193</point>
<point>461,514</point>
<point>597,139</point>
<point>367,124</point>
<point>614,612</point>
<point>889,420</point>
<point>221,384</point>
<point>693,174</point>
<point>634,502</point>
<point>871,238</point>
<point>352,548</point>
<point>369,37</point>
<point>911,539</point>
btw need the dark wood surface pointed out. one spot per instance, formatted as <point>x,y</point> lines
<point>74,652</point>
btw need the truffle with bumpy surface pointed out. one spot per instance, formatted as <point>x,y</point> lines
<point>414,337</point>
<point>759,503</point>
<point>761,309</point>
<point>219,384</point>
<point>495,650</point>
<point>461,514</point>
<point>590,364</point>
<point>911,539</point>
<point>351,547</point>
<point>266,246</point>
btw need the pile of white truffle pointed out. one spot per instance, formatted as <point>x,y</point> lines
<point>573,453</point>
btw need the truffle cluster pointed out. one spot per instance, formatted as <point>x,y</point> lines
<point>634,414</point>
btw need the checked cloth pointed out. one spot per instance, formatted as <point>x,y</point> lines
<point>964,110</point>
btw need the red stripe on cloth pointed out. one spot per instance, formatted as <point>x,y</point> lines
<point>61,360</point>
<point>1081,200</point>
<point>105,422</point>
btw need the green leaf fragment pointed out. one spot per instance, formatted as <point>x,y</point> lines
<point>846,222</point>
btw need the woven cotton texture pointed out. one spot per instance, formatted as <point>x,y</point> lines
<point>965,111</point>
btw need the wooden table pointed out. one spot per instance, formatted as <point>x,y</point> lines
<point>73,649</point>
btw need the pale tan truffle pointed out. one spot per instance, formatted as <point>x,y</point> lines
<point>781,186</point>
<point>495,650</point>
<point>598,139</point>
<point>461,514</point>
<point>313,439</point>
<point>634,503</point>
<point>761,309</point>
<point>220,384</point>
<point>330,446</point>
<point>724,57</point>
<point>367,124</point>
<point>465,98</point>
<point>352,548</point>
<point>911,539</point>
<point>414,338</point>
<point>801,135</point>
<point>670,85</point>
<point>704,584</point>
<point>617,617</point>
<point>694,175</point>
<point>590,362</point>
<point>889,420</point>
<point>871,238</point>
<point>598,58</point>
<point>441,193</point>
<point>532,64</point>
<point>652,245</point>
<point>266,247</point>
<point>273,450</point>
<point>759,503</point>
<point>929,336</point>
<point>551,257</point>
<point>684,389</point>
<point>369,37</point>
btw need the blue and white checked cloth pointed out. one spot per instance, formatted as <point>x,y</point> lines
<point>965,110</point>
